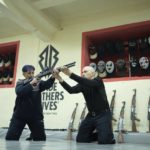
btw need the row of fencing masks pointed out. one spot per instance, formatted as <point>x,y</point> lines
<point>6,76</point>
<point>108,69</point>
<point>139,66</point>
<point>7,60</point>
<point>109,47</point>
<point>143,62</point>
<point>144,44</point>
<point>104,69</point>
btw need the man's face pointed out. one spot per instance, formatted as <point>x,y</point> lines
<point>28,74</point>
<point>87,73</point>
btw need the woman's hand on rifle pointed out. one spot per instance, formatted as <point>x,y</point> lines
<point>34,82</point>
<point>56,75</point>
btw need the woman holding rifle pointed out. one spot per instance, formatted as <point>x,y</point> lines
<point>28,107</point>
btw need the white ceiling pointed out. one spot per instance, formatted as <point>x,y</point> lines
<point>45,17</point>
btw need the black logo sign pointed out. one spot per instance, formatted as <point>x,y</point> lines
<point>52,96</point>
<point>48,57</point>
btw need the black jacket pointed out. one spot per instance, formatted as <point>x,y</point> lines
<point>28,101</point>
<point>93,92</point>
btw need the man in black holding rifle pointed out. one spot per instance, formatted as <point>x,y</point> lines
<point>28,107</point>
<point>99,116</point>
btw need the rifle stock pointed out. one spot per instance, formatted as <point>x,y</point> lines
<point>120,137</point>
<point>71,123</point>
<point>134,129</point>
<point>133,112</point>
<point>112,105</point>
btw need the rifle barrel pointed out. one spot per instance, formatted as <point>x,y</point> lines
<point>47,71</point>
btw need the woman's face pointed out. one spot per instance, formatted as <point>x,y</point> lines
<point>28,74</point>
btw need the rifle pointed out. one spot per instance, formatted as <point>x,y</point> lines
<point>148,114</point>
<point>71,123</point>
<point>120,138</point>
<point>112,105</point>
<point>82,116</point>
<point>47,71</point>
<point>133,112</point>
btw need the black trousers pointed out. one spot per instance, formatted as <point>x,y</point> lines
<point>17,125</point>
<point>102,124</point>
